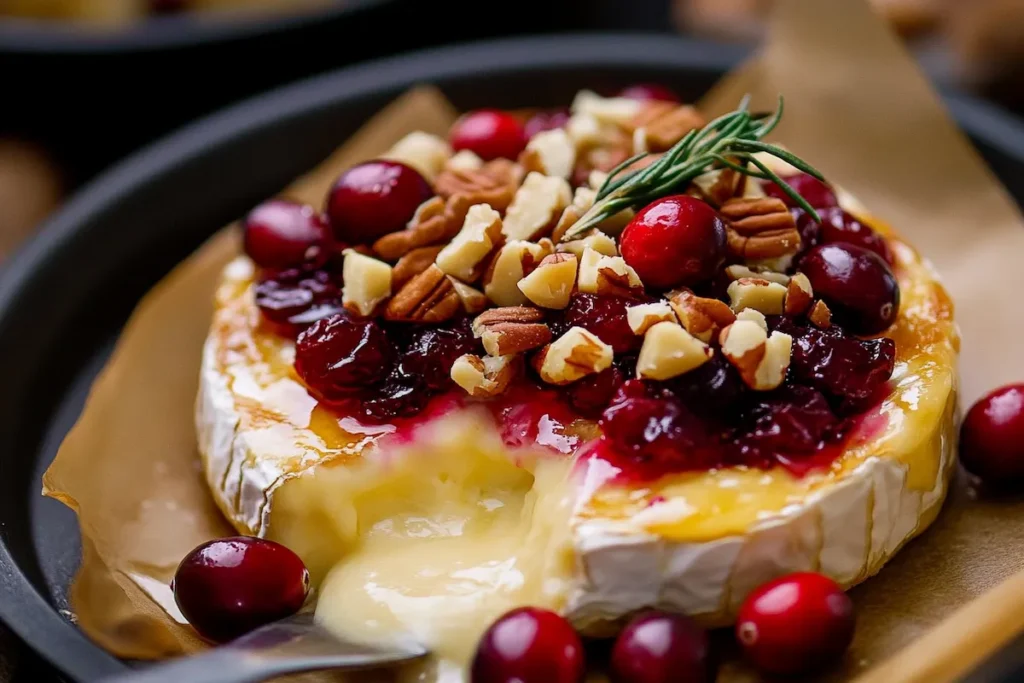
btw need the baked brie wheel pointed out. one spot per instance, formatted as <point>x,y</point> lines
<point>531,409</point>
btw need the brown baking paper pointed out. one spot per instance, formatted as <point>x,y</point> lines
<point>857,108</point>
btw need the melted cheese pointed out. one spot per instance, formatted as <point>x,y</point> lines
<point>433,540</point>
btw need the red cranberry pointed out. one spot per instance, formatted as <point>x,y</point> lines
<point>339,355</point>
<point>491,133</point>
<point>839,226</point>
<point>992,437</point>
<point>297,297</point>
<point>796,623</point>
<point>661,648</point>
<point>675,241</point>
<point>529,645</point>
<point>373,199</point>
<point>281,234</point>
<point>400,395</point>
<point>851,370</point>
<point>432,351</point>
<point>857,285</point>
<point>546,120</point>
<point>650,425</point>
<point>591,395</point>
<point>605,316</point>
<point>649,91</point>
<point>710,390</point>
<point>228,587</point>
<point>792,420</point>
<point>815,192</point>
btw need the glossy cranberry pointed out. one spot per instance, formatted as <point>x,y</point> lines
<point>545,120</point>
<point>710,390</point>
<point>649,91</point>
<point>793,420</point>
<point>815,192</point>
<point>796,623</point>
<point>661,648</point>
<point>282,234</point>
<point>373,199</point>
<point>675,241</point>
<point>858,286</point>
<point>339,355</point>
<point>838,226</point>
<point>297,297</point>
<point>592,394</point>
<point>992,437</point>
<point>432,351</point>
<point>490,133</point>
<point>400,395</point>
<point>529,645</point>
<point>810,229</point>
<point>230,586</point>
<point>650,425</point>
<point>605,316</point>
<point>851,370</point>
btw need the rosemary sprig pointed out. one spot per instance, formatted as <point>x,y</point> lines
<point>730,141</point>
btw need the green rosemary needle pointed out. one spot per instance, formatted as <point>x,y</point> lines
<point>732,140</point>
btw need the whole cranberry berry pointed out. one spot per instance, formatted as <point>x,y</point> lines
<point>675,241</point>
<point>815,192</point>
<point>373,199</point>
<point>858,286</point>
<point>546,120</point>
<point>661,648</point>
<point>279,234</point>
<point>338,355</point>
<point>796,623</point>
<point>230,586</point>
<point>603,315</point>
<point>529,645</point>
<point>842,227</point>
<point>649,91</point>
<point>992,437</point>
<point>490,133</point>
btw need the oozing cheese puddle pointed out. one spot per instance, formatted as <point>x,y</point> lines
<point>433,541</point>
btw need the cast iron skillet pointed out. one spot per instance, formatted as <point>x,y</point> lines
<point>64,297</point>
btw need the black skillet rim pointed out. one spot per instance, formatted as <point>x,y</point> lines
<point>22,607</point>
<point>154,34</point>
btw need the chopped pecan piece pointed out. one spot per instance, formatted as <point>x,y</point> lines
<point>760,228</point>
<point>820,315</point>
<point>429,297</point>
<point>412,264</point>
<point>484,377</point>
<point>431,224</point>
<point>702,317</point>
<point>799,295</point>
<point>511,329</point>
<point>574,355</point>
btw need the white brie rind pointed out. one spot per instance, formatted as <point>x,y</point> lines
<point>696,542</point>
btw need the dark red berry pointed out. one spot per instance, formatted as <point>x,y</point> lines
<point>851,370</point>
<point>529,645</point>
<point>297,297</point>
<point>650,425</point>
<point>605,316</point>
<point>230,586</point>
<point>794,624</point>
<point>400,395</point>
<point>373,199</point>
<point>490,133</point>
<point>793,420</point>
<point>992,437</point>
<point>815,192</point>
<point>590,396</point>
<point>839,226</point>
<point>545,120</point>
<point>710,390</point>
<point>432,351</point>
<point>339,355</point>
<point>675,241</point>
<point>858,286</point>
<point>657,647</point>
<point>649,91</point>
<point>281,234</point>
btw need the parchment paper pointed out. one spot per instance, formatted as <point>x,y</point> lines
<point>857,108</point>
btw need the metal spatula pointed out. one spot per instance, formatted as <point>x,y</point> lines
<point>290,646</point>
